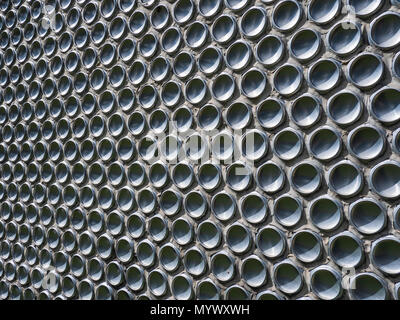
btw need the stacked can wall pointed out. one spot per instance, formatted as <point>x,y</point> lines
<point>199,149</point>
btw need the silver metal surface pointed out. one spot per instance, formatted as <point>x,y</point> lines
<point>200,149</point>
